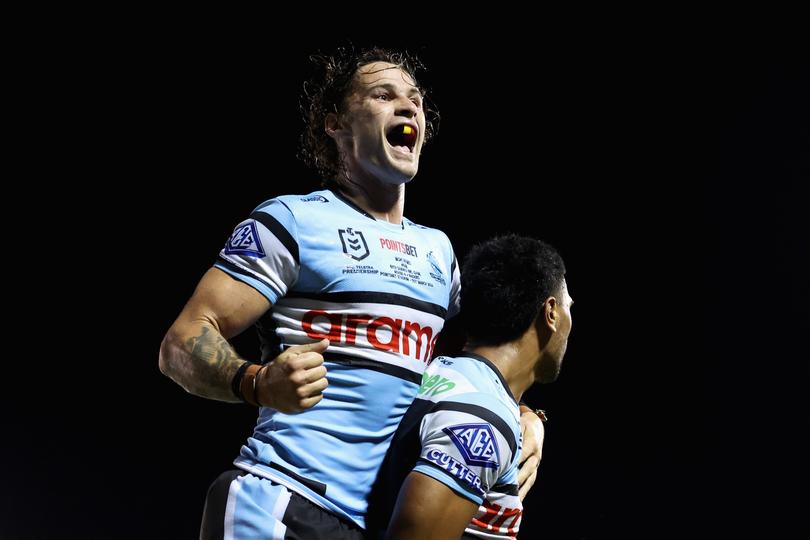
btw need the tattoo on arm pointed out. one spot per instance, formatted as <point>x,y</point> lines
<point>211,347</point>
<point>219,362</point>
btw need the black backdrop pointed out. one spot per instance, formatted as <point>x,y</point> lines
<point>632,162</point>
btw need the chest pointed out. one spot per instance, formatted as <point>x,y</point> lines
<point>357,254</point>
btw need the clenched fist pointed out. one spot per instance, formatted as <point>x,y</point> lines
<point>295,380</point>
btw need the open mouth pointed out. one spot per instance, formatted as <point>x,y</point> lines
<point>402,137</point>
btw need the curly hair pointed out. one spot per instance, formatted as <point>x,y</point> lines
<point>326,93</point>
<point>505,282</point>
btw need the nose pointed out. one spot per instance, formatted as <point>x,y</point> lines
<point>406,108</point>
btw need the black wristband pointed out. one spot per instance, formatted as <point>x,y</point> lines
<point>255,394</point>
<point>236,382</point>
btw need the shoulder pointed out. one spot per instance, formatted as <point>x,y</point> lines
<point>435,234</point>
<point>470,386</point>
<point>292,203</point>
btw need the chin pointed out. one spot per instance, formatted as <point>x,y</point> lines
<point>399,176</point>
<point>401,169</point>
<point>548,373</point>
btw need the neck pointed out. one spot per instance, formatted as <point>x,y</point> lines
<point>515,360</point>
<point>385,202</point>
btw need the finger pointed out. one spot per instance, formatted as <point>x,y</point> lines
<point>306,361</point>
<point>531,451</point>
<point>308,403</point>
<point>318,347</point>
<point>531,447</point>
<point>313,374</point>
<point>527,485</point>
<point>313,388</point>
<point>523,457</point>
<point>527,469</point>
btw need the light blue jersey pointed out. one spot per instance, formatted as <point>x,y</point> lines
<point>463,430</point>
<point>381,293</point>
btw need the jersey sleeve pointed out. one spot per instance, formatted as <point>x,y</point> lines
<point>262,251</point>
<point>466,447</point>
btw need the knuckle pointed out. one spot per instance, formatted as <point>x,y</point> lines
<point>295,363</point>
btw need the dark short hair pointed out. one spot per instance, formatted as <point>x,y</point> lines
<point>504,283</point>
<point>326,92</point>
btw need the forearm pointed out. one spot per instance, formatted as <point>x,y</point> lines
<point>198,358</point>
<point>429,510</point>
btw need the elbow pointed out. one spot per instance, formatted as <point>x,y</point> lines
<point>165,355</point>
<point>172,360</point>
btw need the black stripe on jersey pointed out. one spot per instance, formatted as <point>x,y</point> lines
<point>317,487</point>
<point>279,232</point>
<point>453,266</point>
<point>382,367</point>
<point>370,297</point>
<point>484,414</point>
<point>508,489</point>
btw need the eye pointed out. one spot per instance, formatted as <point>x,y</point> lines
<point>383,97</point>
<point>417,102</point>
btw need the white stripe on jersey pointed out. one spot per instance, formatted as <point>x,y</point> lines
<point>230,508</point>
<point>500,515</point>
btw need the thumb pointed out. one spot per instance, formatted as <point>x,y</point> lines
<point>318,347</point>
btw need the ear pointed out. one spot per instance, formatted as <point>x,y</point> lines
<point>332,125</point>
<point>551,316</point>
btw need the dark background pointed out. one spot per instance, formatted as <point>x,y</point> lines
<point>670,181</point>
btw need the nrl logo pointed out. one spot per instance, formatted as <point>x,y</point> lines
<point>354,243</point>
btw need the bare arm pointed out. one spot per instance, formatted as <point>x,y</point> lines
<point>195,352</point>
<point>429,510</point>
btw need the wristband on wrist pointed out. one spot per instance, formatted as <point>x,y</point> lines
<point>248,384</point>
<point>236,382</point>
<point>255,393</point>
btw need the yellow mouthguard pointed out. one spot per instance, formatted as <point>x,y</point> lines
<point>407,130</point>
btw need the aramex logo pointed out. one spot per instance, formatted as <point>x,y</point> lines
<point>382,333</point>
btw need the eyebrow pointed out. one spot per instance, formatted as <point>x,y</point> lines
<point>388,86</point>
